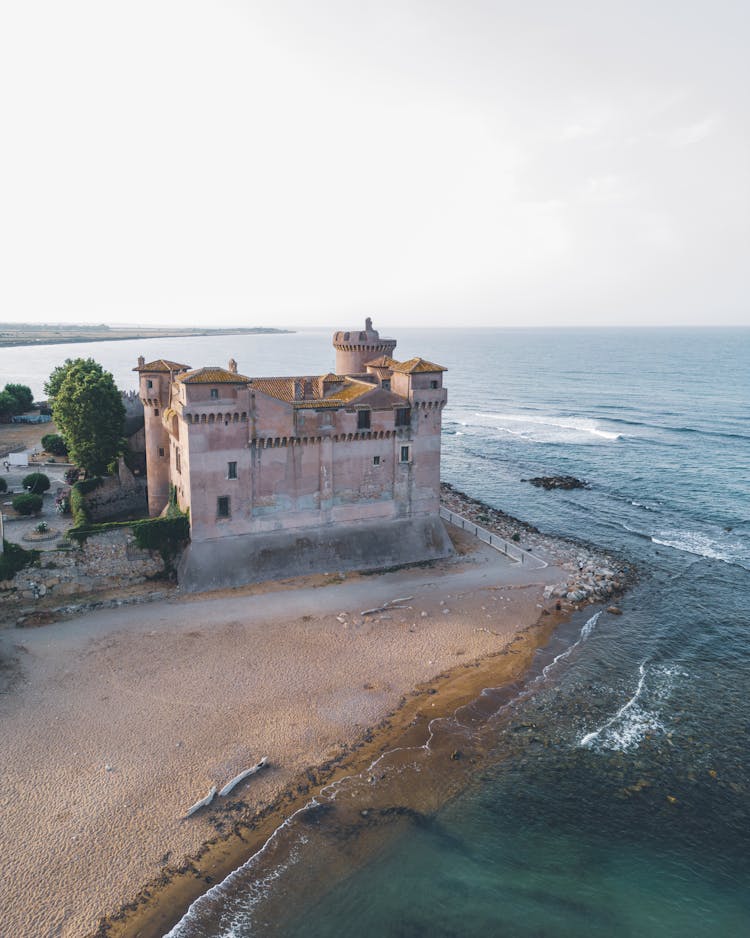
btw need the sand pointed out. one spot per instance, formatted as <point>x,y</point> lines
<point>116,722</point>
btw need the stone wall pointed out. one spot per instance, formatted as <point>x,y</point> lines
<point>104,562</point>
<point>119,496</point>
<point>252,558</point>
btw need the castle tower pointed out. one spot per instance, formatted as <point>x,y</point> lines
<point>354,349</point>
<point>155,380</point>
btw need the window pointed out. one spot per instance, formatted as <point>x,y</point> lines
<point>386,384</point>
<point>376,460</point>
<point>214,394</point>
<point>403,416</point>
<point>222,506</point>
<point>404,454</point>
<point>177,461</point>
<point>434,383</point>
<point>363,419</point>
<point>161,450</point>
<point>149,383</point>
<point>156,411</point>
<point>232,470</point>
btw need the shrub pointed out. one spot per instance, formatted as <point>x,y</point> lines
<point>71,475</point>
<point>55,444</point>
<point>27,504</point>
<point>41,528</point>
<point>15,558</point>
<point>3,485</point>
<point>36,482</point>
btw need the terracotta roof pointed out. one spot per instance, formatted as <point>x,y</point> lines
<point>383,361</point>
<point>417,366</point>
<point>283,389</point>
<point>162,364</point>
<point>212,375</point>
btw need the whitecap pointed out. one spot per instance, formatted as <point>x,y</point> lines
<point>548,429</point>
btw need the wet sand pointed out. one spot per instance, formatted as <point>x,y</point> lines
<point>116,722</point>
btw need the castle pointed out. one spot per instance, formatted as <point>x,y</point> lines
<point>292,475</point>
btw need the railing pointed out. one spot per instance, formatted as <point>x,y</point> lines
<point>511,550</point>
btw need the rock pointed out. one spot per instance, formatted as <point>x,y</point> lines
<point>557,482</point>
<point>614,610</point>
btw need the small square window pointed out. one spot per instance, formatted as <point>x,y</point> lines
<point>232,470</point>
<point>161,451</point>
<point>386,384</point>
<point>376,460</point>
<point>222,506</point>
<point>214,394</point>
<point>149,383</point>
<point>363,419</point>
<point>404,454</point>
<point>156,411</point>
<point>434,384</point>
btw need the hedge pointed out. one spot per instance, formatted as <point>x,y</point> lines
<point>15,558</point>
<point>27,504</point>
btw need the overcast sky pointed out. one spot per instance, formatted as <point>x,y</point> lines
<point>426,162</point>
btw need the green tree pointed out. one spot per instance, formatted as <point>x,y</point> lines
<point>55,380</point>
<point>36,482</point>
<point>8,405</point>
<point>55,444</point>
<point>23,395</point>
<point>3,485</point>
<point>89,413</point>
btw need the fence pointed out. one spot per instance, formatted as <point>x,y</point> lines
<point>511,550</point>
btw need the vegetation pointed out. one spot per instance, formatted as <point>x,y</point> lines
<point>15,399</point>
<point>36,482</point>
<point>3,485</point>
<point>88,410</point>
<point>166,535</point>
<point>15,558</point>
<point>27,504</point>
<point>77,504</point>
<point>55,444</point>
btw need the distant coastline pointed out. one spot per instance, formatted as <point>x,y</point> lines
<point>16,334</point>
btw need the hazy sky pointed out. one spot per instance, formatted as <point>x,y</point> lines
<point>425,162</point>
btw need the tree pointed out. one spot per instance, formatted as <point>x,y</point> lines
<point>55,380</point>
<point>89,413</point>
<point>8,406</point>
<point>55,444</point>
<point>36,482</point>
<point>23,395</point>
<point>3,485</point>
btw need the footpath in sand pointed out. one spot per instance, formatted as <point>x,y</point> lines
<point>116,722</point>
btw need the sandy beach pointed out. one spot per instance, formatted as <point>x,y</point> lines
<point>116,722</point>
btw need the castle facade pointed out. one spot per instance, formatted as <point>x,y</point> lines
<point>287,475</point>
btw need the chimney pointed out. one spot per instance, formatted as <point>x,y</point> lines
<point>141,361</point>
<point>233,366</point>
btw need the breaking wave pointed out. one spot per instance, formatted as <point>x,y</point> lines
<point>641,715</point>
<point>550,429</point>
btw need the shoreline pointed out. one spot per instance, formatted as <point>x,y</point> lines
<point>81,338</point>
<point>163,902</point>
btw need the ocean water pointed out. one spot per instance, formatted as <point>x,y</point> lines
<point>610,791</point>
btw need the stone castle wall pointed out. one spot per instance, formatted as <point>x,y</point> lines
<point>104,562</point>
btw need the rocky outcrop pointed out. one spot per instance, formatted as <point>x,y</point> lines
<point>591,575</point>
<point>557,482</point>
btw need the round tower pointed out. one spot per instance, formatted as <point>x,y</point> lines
<point>355,348</point>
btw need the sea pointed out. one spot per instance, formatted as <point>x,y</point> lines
<point>607,793</point>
